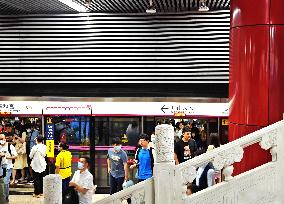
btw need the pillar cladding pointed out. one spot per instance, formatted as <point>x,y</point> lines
<point>52,189</point>
<point>164,164</point>
<point>256,72</point>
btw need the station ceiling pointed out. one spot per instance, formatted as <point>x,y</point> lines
<point>21,7</point>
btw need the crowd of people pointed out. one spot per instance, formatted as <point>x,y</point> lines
<point>23,160</point>
<point>190,141</point>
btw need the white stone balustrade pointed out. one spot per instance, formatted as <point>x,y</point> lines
<point>224,157</point>
<point>141,193</point>
<point>262,185</point>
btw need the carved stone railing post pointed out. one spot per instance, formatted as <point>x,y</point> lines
<point>164,164</point>
<point>269,141</point>
<point>226,159</point>
<point>228,172</point>
<point>52,189</point>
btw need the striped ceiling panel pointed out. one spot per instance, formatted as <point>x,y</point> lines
<point>16,7</point>
<point>108,48</point>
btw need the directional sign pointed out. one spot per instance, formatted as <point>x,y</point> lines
<point>163,108</point>
<point>160,109</point>
<point>49,134</point>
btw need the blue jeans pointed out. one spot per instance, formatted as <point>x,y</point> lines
<point>115,184</point>
<point>7,182</point>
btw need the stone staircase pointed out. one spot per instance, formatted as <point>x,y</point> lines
<point>262,185</point>
<point>22,189</point>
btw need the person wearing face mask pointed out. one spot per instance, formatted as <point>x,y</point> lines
<point>63,165</point>
<point>38,164</point>
<point>117,166</point>
<point>7,154</point>
<point>82,181</point>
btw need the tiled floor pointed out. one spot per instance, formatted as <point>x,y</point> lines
<point>28,199</point>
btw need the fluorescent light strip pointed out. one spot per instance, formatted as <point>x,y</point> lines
<point>74,5</point>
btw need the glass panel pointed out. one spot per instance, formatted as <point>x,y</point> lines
<point>107,128</point>
<point>75,131</point>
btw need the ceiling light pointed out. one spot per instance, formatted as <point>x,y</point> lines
<point>203,6</point>
<point>74,5</point>
<point>151,8</point>
<point>88,3</point>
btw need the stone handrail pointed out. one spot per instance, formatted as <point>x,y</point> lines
<point>139,193</point>
<point>224,156</point>
<point>254,186</point>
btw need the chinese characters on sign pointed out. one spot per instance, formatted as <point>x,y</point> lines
<point>67,109</point>
<point>8,109</point>
<point>178,110</point>
<point>49,138</point>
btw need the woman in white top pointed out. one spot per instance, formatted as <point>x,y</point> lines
<point>38,165</point>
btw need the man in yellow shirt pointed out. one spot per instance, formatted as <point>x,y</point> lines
<point>63,165</point>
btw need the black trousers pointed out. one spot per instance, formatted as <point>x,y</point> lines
<point>65,185</point>
<point>38,182</point>
<point>115,184</point>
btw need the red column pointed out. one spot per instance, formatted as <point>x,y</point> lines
<point>256,72</point>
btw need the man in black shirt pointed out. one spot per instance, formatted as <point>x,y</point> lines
<point>185,148</point>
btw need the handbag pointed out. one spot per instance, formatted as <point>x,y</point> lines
<point>70,196</point>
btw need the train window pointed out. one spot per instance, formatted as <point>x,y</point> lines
<point>106,128</point>
<point>126,128</point>
<point>74,130</point>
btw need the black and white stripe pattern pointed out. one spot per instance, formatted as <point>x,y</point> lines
<point>109,48</point>
<point>10,7</point>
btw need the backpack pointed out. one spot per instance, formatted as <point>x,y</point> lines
<point>10,152</point>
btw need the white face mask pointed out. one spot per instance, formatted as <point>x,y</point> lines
<point>2,142</point>
<point>28,130</point>
<point>80,165</point>
<point>117,148</point>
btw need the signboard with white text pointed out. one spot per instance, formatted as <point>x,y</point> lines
<point>20,108</point>
<point>67,108</point>
<point>114,108</point>
<point>160,109</point>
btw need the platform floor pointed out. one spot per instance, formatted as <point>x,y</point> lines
<point>28,199</point>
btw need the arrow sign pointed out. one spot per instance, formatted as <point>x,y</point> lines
<point>163,107</point>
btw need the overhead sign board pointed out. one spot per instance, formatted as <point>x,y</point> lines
<point>160,109</point>
<point>67,108</point>
<point>20,108</point>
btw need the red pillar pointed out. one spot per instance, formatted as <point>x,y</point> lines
<point>256,72</point>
